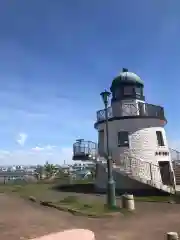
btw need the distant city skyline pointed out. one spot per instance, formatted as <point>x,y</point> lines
<point>57,56</point>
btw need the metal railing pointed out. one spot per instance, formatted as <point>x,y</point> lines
<point>146,172</point>
<point>143,170</point>
<point>101,114</point>
<point>175,155</point>
<point>83,148</point>
<point>134,109</point>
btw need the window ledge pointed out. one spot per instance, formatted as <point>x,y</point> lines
<point>123,145</point>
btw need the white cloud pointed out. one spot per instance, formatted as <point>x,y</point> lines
<point>5,152</point>
<point>21,138</point>
<point>48,148</point>
<point>37,155</point>
<point>37,148</point>
<point>67,151</point>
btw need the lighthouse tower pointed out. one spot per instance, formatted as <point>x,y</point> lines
<point>137,139</point>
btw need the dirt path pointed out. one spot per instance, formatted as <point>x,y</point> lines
<point>23,220</point>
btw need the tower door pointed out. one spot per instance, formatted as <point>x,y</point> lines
<point>141,108</point>
<point>165,172</point>
<point>101,143</point>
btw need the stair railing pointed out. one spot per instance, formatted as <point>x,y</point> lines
<point>144,170</point>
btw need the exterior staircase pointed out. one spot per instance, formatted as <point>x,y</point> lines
<point>140,171</point>
<point>177,173</point>
<point>131,170</point>
<point>175,155</point>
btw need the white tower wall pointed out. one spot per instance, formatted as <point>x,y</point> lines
<point>143,145</point>
<point>142,139</point>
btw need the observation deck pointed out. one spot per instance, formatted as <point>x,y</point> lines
<point>131,110</point>
<point>84,150</point>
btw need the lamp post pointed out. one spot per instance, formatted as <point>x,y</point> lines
<point>111,197</point>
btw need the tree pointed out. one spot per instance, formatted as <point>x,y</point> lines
<point>49,169</point>
<point>39,172</point>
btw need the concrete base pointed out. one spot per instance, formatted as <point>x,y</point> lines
<point>177,188</point>
<point>124,184</point>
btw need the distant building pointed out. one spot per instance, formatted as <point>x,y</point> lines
<point>6,176</point>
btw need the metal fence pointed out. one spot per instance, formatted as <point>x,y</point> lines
<point>82,147</point>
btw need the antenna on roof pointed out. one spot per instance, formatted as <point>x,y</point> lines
<point>79,140</point>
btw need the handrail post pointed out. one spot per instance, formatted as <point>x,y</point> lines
<point>178,155</point>
<point>150,168</point>
<point>130,163</point>
<point>172,181</point>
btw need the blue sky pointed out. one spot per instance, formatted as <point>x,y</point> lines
<point>57,56</point>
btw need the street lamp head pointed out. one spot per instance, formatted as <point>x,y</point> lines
<point>105,96</point>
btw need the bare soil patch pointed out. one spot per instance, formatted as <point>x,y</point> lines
<point>21,219</point>
<point>24,219</point>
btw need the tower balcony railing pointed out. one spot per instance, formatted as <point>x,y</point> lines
<point>134,109</point>
<point>84,150</point>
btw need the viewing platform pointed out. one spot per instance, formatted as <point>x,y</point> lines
<point>84,150</point>
<point>131,110</point>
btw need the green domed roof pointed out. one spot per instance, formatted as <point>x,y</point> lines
<point>127,77</point>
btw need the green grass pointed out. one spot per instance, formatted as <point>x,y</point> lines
<point>41,190</point>
<point>83,204</point>
<point>153,198</point>
<point>45,192</point>
<point>69,200</point>
<point>36,190</point>
<point>92,207</point>
<point>170,198</point>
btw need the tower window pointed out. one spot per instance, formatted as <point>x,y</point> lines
<point>138,90</point>
<point>123,139</point>
<point>118,94</point>
<point>128,90</point>
<point>160,139</point>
